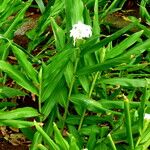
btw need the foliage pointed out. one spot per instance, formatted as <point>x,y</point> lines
<point>92,95</point>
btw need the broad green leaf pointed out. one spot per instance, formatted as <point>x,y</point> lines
<point>121,47</point>
<point>28,132</point>
<point>91,141</point>
<point>85,83</point>
<point>88,120</point>
<point>53,72</point>
<point>44,21</point>
<point>49,141</point>
<point>90,104</point>
<point>73,132</point>
<point>125,58</point>
<point>86,16</point>
<point>63,93</point>
<point>41,147</point>
<point>53,66</point>
<point>73,144</point>
<point>63,144</point>
<point>69,73</point>
<point>102,146</point>
<point>25,112</point>
<point>41,5</point>
<point>115,104</point>
<point>26,65</point>
<point>19,77</point>
<point>10,30</point>
<point>48,128</point>
<point>89,48</point>
<point>96,26</point>
<point>35,141</point>
<point>58,34</point>
<point>5,12</point>
<point>132,67</point>
<point>7,104</point>
<point>7,92</point>
<point>16,123</point>
<point>49,105</point>
<point>87,130</point>
<point>74,11</point>
<point>127,82</point>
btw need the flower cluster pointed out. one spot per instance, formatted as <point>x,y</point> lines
<point>80,31</point>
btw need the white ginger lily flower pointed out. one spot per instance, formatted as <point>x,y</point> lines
<point>80,31</point>
<point>147,116</point>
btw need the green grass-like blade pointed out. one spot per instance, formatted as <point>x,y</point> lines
<point>19,77</point>
<point>25,112</point>
<point>25,64</point>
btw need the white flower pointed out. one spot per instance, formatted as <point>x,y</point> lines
<point>80,31</point>
<point>147,116</point>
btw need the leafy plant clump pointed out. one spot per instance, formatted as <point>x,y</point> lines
<point>74,74</point>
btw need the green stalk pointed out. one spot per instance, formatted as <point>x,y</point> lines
<point>128,123</point>
<point>109,8</point>
<point>142,107</point>
<point>112,142</point>
<point>71,87</point>
<point>40,90</point>
<point>49,141</point>
<point>90,93</point>
<point>41,147</point>
<point>102,57</point>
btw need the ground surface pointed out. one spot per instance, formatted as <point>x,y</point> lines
<point>4,145</point>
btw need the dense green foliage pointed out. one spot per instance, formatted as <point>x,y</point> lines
<point>90,95</point>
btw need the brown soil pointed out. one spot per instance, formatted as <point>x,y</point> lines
<point>4,145</point>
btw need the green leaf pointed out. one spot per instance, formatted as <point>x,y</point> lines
<point>90,104</point>
<point>54,71</point>
<point>96,26</point>
<point>127,82</point>
<point>25,112</point>
<point>69,73</point>
<point>74,11</point>
<point>44,21</point>
<point>125,58</point>
<point>41,147</point>
<point>10,30</point>
<point>49,105</point>
<point>121,47</point>
<point>7,92</point>
<point>92,141</point>
<point>41,5</point>
<point>36,140</point>
<point>49,141</point>
<point>26,65</point>
<point>58,34</point>
<point>73,145</point>
<point>63,144</point>
<point>7,104</point>
<point>89,48</point>
<point>16,123</point>
<point>77,139</point>
<point>85,83</point>
<point>19,77</point>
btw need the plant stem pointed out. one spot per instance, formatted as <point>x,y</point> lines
<point>71,87</point>
<point>89,95</point>
<point>112,142</point>
<point>49,141</point>
<point>41,147</point>
<point>128,123</point>
<point>142,107</point>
